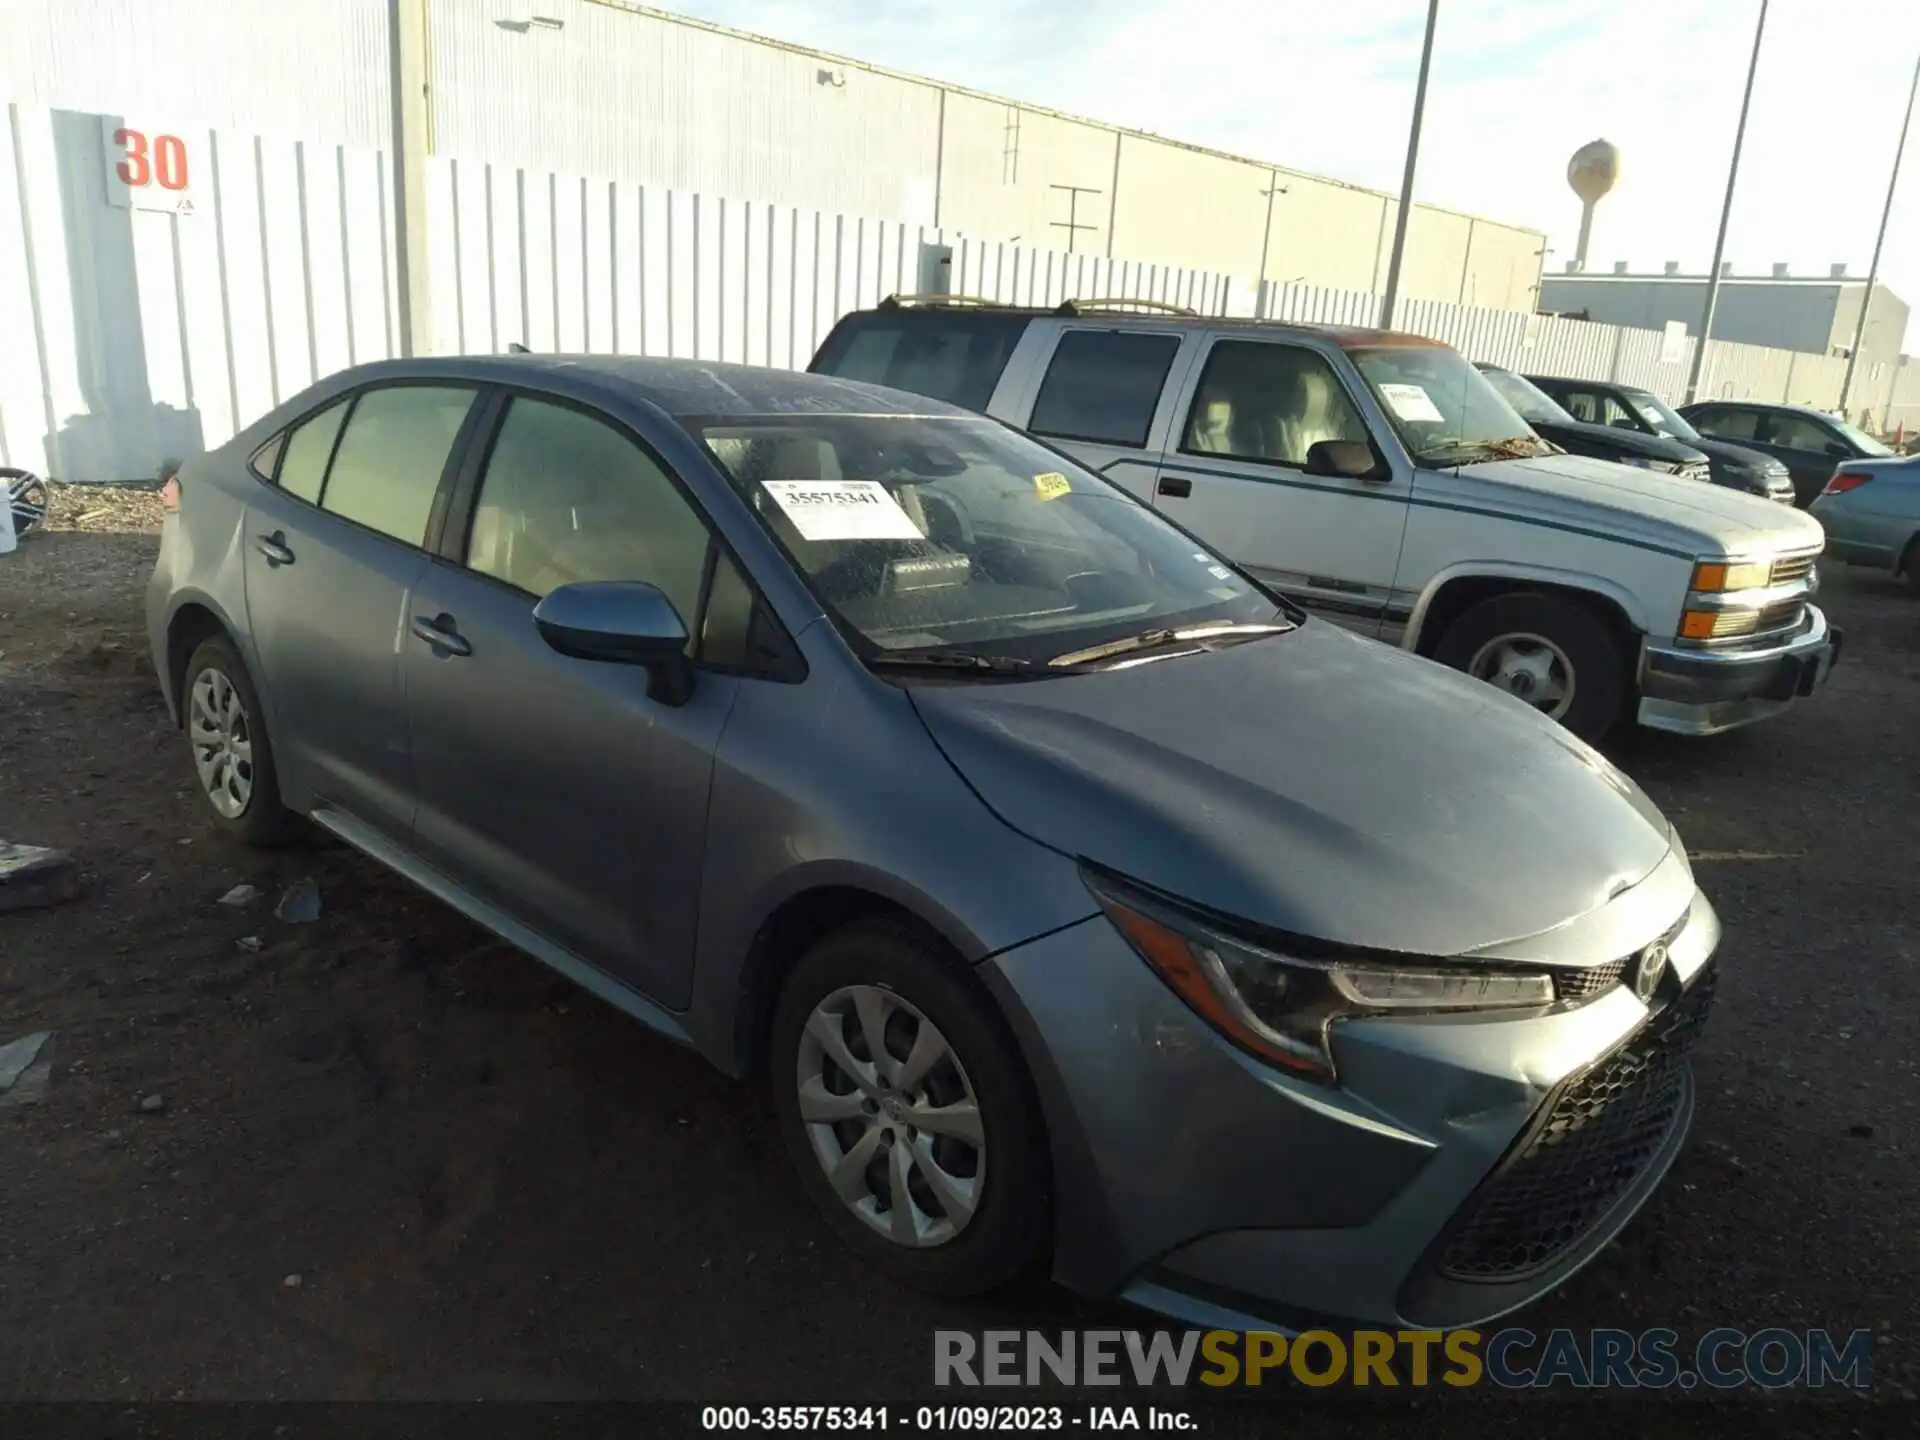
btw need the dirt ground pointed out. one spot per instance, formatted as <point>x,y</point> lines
<point>391,1158</point>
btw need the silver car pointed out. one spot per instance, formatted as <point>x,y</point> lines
<point>1083,904</point>
<point>1871,512</point>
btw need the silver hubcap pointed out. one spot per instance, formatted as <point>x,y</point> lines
<point>891,1116</point>
<point>1529,667</point>
<point>222,740</point>
<point>28,497</point>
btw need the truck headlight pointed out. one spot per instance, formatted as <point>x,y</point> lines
<point>1281,1007</point>
<point>1715,577</point>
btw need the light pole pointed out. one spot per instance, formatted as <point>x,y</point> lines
<point>1873,270</point>
<point>1274,187</point>
<point>1726,209</point>
<point>1406,184</point>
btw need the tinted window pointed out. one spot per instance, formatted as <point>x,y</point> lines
<point>950,355</point>
<point>1725,424</point>
<point>567,497</point>
<point>1596,407</point>
<point>303,468</point>
<point>388,465</point>
<point>1792,432</point>
<point>1268,402</point>
<point>1103,385</point>
<point>725,628</point>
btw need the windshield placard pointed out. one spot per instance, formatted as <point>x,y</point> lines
<point>842,510</point>
<point>1411,403</point>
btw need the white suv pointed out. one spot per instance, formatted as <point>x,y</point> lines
<point>1378,479</point>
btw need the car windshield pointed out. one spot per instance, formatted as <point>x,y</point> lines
<point>1860,440</point>
<point>1444,409</point>
<point>960,539</point>
<point>1528,400</point>
<point>1660,416</point>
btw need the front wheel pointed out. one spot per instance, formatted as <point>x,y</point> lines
<point>1553,653</point>
<point>904,1106</point>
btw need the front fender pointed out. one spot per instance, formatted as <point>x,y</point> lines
<point>1630,604</point>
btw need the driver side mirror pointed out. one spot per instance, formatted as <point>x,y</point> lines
<point>621,622</point>
<point>1346,460</point>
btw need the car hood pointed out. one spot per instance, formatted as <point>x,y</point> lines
<point>1648,507</point>
<point>1313,783</point>
<point>1624,442</point>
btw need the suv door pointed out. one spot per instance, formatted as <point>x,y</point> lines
<point>1105,400</point>
<point>334,546</point>
<point>551,786</point>
<point>1235,474</point>
<point>1808,449</point>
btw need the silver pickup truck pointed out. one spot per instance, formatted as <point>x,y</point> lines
<point>1378,479</point>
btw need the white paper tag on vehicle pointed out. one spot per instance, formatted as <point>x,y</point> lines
<point>842,510</point>
<point>1412,403</point>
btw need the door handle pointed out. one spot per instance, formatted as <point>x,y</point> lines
<point>442,633</point>
<point>274,547</point>
<point>1174,488</point>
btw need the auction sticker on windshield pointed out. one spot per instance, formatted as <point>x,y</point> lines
<point>1411,403</point>
<point>842,510</point>
<point>1051,485</point>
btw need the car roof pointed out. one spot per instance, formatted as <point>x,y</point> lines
<point>1347,337</point>
<point>679,387</point>
<point>1812,412</point>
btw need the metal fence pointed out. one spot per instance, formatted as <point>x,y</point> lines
<point>144,329</point>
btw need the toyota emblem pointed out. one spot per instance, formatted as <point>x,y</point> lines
<point>1646,975</point>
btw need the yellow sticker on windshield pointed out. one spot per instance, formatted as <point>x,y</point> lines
<point>1051,485</point>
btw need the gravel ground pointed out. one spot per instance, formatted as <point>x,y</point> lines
<point>381,1155</point>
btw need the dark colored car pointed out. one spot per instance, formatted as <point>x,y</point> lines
<point>1602,442</point>
<point>1809,442</point>
<point>1630,409</point>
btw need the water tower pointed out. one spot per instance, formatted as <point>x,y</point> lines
<point>1591,172</point>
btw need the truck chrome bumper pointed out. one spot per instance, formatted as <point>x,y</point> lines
<point>1702,692</point>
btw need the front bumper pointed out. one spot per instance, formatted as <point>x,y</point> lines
<point>1702,692</point>
<point>1201,1184</point>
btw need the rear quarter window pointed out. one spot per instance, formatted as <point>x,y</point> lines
<point>1103,386</point>
<point>950,355</point>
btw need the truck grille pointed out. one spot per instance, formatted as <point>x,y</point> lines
<point>1789,568</point>
<point>1600,1130</point>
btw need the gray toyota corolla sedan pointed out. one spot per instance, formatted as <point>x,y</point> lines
<point>1082,903</point>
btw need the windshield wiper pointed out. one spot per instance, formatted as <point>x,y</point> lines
<point>936,659</point>
<point>1154,639</point>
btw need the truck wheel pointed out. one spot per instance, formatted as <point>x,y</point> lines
<point>1551,652</point>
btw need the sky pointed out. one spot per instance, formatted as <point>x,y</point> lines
<point>1516,87</point>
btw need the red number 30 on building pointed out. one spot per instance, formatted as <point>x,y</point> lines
<point>161,160</point>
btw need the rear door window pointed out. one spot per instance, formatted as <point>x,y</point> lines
<point>951,355</point>
<point>1726,423</point>
<point>1103,386</point>
<point>386,469</point>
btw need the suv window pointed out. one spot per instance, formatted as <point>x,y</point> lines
<point>1725,423</point>
<point>386,469</point>
<point>567,497</point>
<point>303,465</point>
<point>1268,402</point>
<point>950,355</point>
<point>1596,407</point>
<point>1795,432</point>
<point>1103,386</point>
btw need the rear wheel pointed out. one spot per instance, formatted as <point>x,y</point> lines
<point>232,756</point>
<point>1549,651</point>
<point>906,1110</point>
<point>27,495</point>
<point>1910,565</point>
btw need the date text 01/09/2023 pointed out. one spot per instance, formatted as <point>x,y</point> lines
<point>935,1418</point>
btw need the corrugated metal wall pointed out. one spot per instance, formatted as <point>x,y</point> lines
<point>141,334</point>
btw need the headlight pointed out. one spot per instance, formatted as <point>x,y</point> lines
<point>1718,576</point>
<point>1280,1007</point>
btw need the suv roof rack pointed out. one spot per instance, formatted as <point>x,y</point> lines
<point>1120,302</point>
<point>937,298</point>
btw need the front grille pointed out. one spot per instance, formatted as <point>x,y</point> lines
<point>1585,984</point>
<point>1789,568</point>
<point>1695,471</point>
<point>1598,1133</point>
